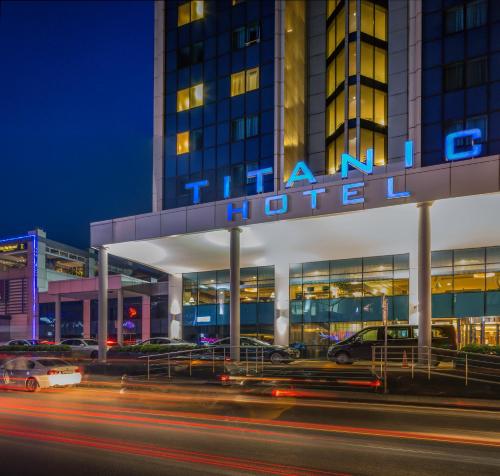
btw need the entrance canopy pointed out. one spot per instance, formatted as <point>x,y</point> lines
<point>463,222</point>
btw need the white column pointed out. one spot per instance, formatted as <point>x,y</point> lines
<point>281,304</point>
<point>57,321</point>
<point>86,318</point>
<point>146,317</point>
<point>102,334</point>
<point>424,279</point>
<point>234,293</point>
<point>119,316</point>
<point>413,284</point>
<point>175,306</point>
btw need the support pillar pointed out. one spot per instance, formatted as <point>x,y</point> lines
<point>234,293</point>
<point>119,317</point>
<point>175,306</point>
<point>424,280</point>
<point>282,304</point>
<point>102,334</point>
<point>57,321</point>
<point>146,317</point>
<point>86,318</point>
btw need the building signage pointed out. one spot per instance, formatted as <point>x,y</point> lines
<point>9,248</point>
<point>352,193</point>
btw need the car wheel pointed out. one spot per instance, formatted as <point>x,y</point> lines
<point>94,354</point>
<point>342,358</point>
<point>5,378</point>
<point>32,385</point>
<point>276,358</point>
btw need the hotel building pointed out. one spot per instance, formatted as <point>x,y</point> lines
<point>311,157</point>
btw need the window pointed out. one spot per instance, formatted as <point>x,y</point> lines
<point>336,72</point>
<point>336,32</point>
<point>370,335</point>
<point>190,97</point>
<point>331,5</point>
<point>244,127</point>
<point>481,123</point>
<point>239,38</point>
<point>182,143</point>
<point>189,55</point>
<point>196,140</point>
<point>476,72</point>
<point>476,14</point>
<point>373,20</point>
<point>335,151</point>
<point>188,12</point>
<point>245,36</point>
<point>244,81</point>
<point>253,34</point>
<point>454,19</point>
<point>454,76</point>
<point>373,62</point>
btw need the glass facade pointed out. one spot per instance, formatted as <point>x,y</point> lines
<point>331,300</point>
<point>356,111</point>
<point>460,74</point>
<point>206,304</point>
<point>219,70</point>
<point>71,320</point>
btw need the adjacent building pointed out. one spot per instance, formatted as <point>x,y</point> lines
<point>311,157</point>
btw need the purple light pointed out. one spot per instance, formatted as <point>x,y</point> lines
<point>34,285</point>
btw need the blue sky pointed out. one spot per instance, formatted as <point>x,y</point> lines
<point>76,94</point>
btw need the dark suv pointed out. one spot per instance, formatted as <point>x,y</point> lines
<point>359,346</point>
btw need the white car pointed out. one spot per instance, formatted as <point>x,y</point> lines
<point>88,348</point>
<point>34,373</point>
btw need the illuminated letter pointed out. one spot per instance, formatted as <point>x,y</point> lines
<point>195,186</point>
<point>278,211</point>
<point>474,151</point>
<point>314,196</point>
<point>366,168</point>
<point>259,174</point>
<point>227,186</point>
<point>300,172</point>
<point>347,192</point>
<point>231,210</point>
<point>408,154</point>
<point>390,190</point>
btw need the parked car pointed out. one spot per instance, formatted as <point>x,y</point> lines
<point>27,342</point>
<point>167,341</point>
<point>359,346</point>
<point>253,348</point>
<point>34,373</point>
<point>87,348</point>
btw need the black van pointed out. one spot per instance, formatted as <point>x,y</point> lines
<point>359,346</point>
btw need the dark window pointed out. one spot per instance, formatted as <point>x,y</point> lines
<point>476,71</point>
<point>252,126</point>
<point>253,33</point>
<point>196,140</point>
<point>238,129</point>
<point>478,122</point>
<point>239,38</point>
<point>189,55</point>
<point>184,58</point>
<point>454,18</point>
<point>453,76</point>
<point>197,53</point>
<point>476,14</point>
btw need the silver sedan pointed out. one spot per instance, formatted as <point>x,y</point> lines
<point>34,373</point>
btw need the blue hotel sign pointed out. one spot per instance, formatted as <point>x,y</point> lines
<point>351,193</point>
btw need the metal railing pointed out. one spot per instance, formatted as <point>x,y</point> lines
<point>467,366</point>
<point>217,358</point>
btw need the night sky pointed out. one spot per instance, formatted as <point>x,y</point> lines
<point>76,109</point>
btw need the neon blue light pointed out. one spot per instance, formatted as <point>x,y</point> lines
<point>227,186</point>
<point>259,175</point>
<point>16,238</point>
<point>349,191</point>
<point>390,190</point>
<point>301,172</point>
<point>474,151</point>
<point>278,211</point>
<point>408,154</point>
<point>195,186</point>
<point>314,196</point>
<point>366,168</point>
<point>232,210</point>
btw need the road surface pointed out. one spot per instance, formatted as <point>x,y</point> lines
<point>82,431</point>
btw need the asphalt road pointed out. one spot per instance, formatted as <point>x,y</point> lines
<point>105,432</point>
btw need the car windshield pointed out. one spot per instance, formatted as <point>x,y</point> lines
<point>254,341</point>
<point>91,342</point>
<point>52,362</point>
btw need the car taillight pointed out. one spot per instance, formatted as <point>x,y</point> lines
<point>53,372</point>
<point>78,370</point>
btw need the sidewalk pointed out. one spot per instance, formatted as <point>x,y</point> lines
<point>206,387</point>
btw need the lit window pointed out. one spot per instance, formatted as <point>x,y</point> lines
<point>182,143</point>
<point>190,97</point>
<point>252,79</point>
<point>352,102</point>
<point>380,107</point>
<point>190,11</point>
<point>331,5</point>
<point>339,110</point>
<point>352,59</point>
<point>373,20</point>
<point>335,151</point>
<point>352,16</point>
<point>238,83</point>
